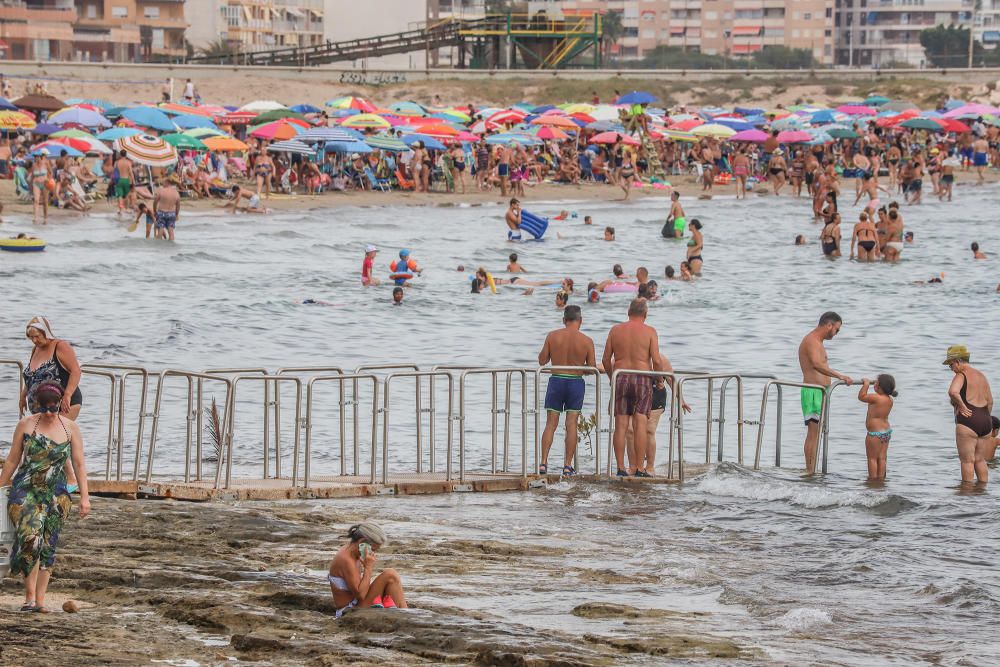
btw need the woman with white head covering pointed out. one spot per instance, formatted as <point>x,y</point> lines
<point>350,573</point>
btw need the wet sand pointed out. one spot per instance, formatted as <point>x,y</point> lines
<point>213,583</point>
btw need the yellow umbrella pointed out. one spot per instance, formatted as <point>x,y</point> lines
<point>367,120</point>
<point>455,113</point>
<point>224,144</point>
<point>578,108</point>
<point>11,120</point>
<point>713,130</point>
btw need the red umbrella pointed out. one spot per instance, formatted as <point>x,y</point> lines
<point>687,125</point>
<point>958,126</point>
<point>613,138</point>
<point>580,116</point>
<point>556,121</point>
<point>551,133</point>
<point>794,137</point>
<point>508,116</point>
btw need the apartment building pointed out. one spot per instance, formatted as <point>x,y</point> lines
<point>129,30</point>
<point>880,33</point>
<point>37,29</point>
<point>987,22</point>
<point>733,28</point>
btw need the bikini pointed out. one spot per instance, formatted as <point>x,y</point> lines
<point>979,422</point>
<point>341,585</point>
<point>883,436</point>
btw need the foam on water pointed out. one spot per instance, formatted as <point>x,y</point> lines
<point>804,494</point>
<point>803,619</point>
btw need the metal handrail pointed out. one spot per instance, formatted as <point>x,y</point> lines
<point>227,422</point>
<point>293,370</point>
<point>299,425</point>
<point>122,380</point>
<point>585,370</point>
<point>309,403</point>
<point>679,391</point>
<point>826,417</point>
<point>267,419</point>
<point>417,375</point>
<point>613,378</point>
<point>722,409</point>
<point>763,415</point>
<point>20,374</point>
<point>111,412</point>
<point>524,412</point>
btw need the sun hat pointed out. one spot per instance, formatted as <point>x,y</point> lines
<point>355,156</point>
<point>370,248</point>
<point>956,353</point>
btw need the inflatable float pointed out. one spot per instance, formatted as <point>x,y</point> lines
<point>534,225</point>
<point>620,288</point>
<point>22,245</point>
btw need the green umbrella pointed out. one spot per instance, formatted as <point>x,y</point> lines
<point>386,143</point>
<point>921,124</point>
<point>277,114</point>
<point>875,101</point>
<point>842,133</point>
<point>184,141</point>
<point>73,133</point>
<point>202,132</point>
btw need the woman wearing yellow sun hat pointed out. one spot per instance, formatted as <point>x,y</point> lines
<point>972,401</point>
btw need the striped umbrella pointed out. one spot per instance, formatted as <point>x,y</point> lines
<point>148,150</point>
<point>352,103</point>
<point>291,146</point>
<point>11,120</point>
<point>325,134</point>
<point>367,120</point>
<point>386,143</point>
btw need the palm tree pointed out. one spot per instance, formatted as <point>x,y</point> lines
<point>220,49</point>
<point>612,30</point>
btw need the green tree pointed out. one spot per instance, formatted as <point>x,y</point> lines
<point>782,57</point>
<point>613,29</point>
<point>948,46</point>
<point>675,57</point>
<point>219,49</point>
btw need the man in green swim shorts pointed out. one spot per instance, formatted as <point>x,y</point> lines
<point>816,370</point>
<point>123,184</point>
<point>675,218</point>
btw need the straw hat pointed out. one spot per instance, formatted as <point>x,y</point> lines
<point>355,156</point>
<point>956,353</point>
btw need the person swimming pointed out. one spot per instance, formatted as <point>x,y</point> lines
<point>513,266</point>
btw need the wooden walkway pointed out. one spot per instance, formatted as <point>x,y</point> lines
<point>350,487</point>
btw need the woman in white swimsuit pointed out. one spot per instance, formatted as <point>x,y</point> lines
<point>350,573</point>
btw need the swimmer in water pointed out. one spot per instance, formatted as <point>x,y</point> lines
<point>652,293</point>
<point>609,233</point>
<point>675,219</point>
<point>562,299</point>
<point>877,422</point>
<point>976,253</point>
<point>934,279</point>
<point>367,279</point>
<point>513,219</point>
<point>619,272</point>
<point>404,265</point>
<point>695,245</point>
<point>513,266</point>
<point>587,220</point>
<point>144,212</point>
<point>593,294</point>
<point>829,237</point>
<point>668,273</point>
<point>397,296</point>
<point>864,239</point>
<point>685,272</point>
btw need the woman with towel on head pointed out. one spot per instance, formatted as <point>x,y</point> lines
<point>350,573</point>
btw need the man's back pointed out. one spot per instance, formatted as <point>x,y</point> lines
<point>632,345</point>
<point>811,351</point>
<point>568,347</point>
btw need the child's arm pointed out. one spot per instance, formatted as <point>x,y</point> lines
<point>863,394</point>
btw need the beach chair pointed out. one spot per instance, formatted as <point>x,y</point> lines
<point>377,183</point>
<point>21,186</point>
<point>78,190</point>
<point>403,183</point>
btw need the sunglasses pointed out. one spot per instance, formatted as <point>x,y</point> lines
<point>49,408</point>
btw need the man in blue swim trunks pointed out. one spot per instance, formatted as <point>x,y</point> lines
<point>816,370</point>
<point>166,209</point>
<point>565,347</point>
<point>513,219</point>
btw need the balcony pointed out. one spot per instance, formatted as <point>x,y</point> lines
<point>39,15</point>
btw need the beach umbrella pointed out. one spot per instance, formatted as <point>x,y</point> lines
<point>235,118</point>
<point>117,133</point>
<point>753,136</point>
<point>556,121</point>
<point>612,138</point>
<point>507,138</point>
<point>358,103</point>
<point>818,136</point>
<point>348,147</point>
<point>553,133</point>
<point>970,111</point>
<point>148,150</point>
<point>679,135</point>
<point>857,110</point>
<point>324,134</point>
<point>876,101</point>
<point>427,141</point>
<point>72,142</point>
<point>407,109</point>
<point>898,105</point>
<point>604,126</point>
<point>687,125</point>
<point>224,144</point>
<point>202,132</point>
<point>305,108</point>
<point>952,125</point>
<point>841,133</point>
<point>11,120</point>
<point>45,129</point>
<point>636,97</point>
<point>150,117</point>
<point>190,121</point>
<point>260,106</point>
<point>79,116</point>
<point>453,114</point>
<point>279,114</point>
<point>438,131</point>
<point>508,116</point>
<point>55,148</point>
<point>279,129</point>
<point>735,124</point>
<point>73,132</point>
<point>86,143</point>
<point>39,103</point>
<point>822,116</point>
<point>188,109</point>
<point>794,137</point>
<point>484,126</point>
<point>921,124</point>
<point>184,141</point>
<point>291,146</point>
<point>578,108</point>
<point>713,130</point>
<point>366,120</point>
<point>7,105</point>
<point>386,143</point>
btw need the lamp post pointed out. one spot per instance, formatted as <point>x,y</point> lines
<point>972,30</point>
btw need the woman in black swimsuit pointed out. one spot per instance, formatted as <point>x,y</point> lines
<point>51,359</point>
<point>972,401</point>
<point>695,246</point>
<point>829,238</point>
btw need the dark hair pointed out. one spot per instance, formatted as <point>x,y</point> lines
<point>397,290</point>
<point>572,314</point>
<point>513,257</point>
<point>669,271</point>
<point>829,317</point>
<point>651,285</point>
<point>48,393</point>
<point>476,285</point>
<point>696,223</point>
<point>617,270</point>
<point>894,204</point>
<point>235,188</point>
<point>141,206</point>
<point>893,214</point>
<point>975,247</point>
<point>644,290</point>
<point>887,384</point>
<point>609,230</point>
<point>563,296</point>
<point>996,422</point>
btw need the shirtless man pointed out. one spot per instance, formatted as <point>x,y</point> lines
<point>253,201</point>
<point>565,347</point>
<point>123,186</point>
<point>816,370</point>
<point>980,157</point>
<point>513,266</point>
<point>676,223</point>
<point>503,170</point>
<point>633,345</point>
<point>166,209</point>
<point>513,219</point>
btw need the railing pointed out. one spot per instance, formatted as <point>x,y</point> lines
<point>116,448</point>
<point>826,417</point>
<point>340,379</point>
<point>494,411</point>
<point>418,375</point>
<point>231,419</point>
<point>824,414</point>
<point>722,411</point>
<point>679,401</point>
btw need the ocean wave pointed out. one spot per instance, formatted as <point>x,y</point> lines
<point>201,256</point>
<point>803,619</point>
<point>755,486</point>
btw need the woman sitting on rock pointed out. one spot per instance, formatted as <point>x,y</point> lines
<point>350,573</point>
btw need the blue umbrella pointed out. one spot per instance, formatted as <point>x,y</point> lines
<point>305,108</point>
<point>428,142</point>
<point>45,129</point>
<point>80,116</point>
<point>6,104</point>
<point>149,117</point>
<point>604,126</point>
<point>324,134</point>
<point>70,151</point>
<point>344,113</point>
<point>636,97</point>
<point>187,121</point>
<point>507,138</point>
<point>737,124</point>
<point>348,147</point>
<point>542,109</point>
<point>118,133</point>
<point>824,116</point>
<point>748,111</point>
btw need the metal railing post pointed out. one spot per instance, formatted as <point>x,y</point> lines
<point>824,414</point>
<point>827,398</point>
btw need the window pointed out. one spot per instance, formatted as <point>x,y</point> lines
<point>91,11</point>
<point>157,38</point>
<point>119,12</point>
<point>808,16</point>
<point>151,13</point>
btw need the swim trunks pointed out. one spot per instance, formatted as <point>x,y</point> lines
<point>565,393</point>
<point>122,187</point>
<point>513,236</point>
<point>979,160</point>
<point>254,202</point>
<point>679,225</point>
<point>503,170</point>
<point>166,219</point>
<point>812,404</point>
<point>633,395</point>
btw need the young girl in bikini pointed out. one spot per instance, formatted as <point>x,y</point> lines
<point>877,422</point>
